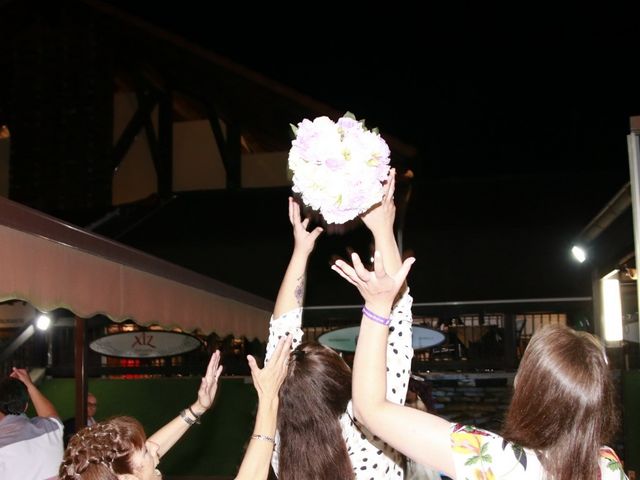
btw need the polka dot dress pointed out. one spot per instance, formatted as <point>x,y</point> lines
<point>372,459</point>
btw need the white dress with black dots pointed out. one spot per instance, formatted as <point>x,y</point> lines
<point>372,459</point>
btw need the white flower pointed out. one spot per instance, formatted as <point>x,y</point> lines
<point>338,168</point>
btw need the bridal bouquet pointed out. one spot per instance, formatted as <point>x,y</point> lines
<point>338,167</point>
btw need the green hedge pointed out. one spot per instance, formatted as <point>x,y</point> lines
<point>214,448</point>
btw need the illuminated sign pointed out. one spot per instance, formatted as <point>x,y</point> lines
<point>145,344</point>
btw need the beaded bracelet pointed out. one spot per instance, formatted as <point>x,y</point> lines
<point>375,317</point>
<point>266,438</point>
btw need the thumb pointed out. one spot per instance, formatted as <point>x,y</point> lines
<point>316,232</point>
<point>253,365</point>
<point>401,274</point>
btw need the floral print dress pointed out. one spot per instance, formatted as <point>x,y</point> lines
<point>482,455</point>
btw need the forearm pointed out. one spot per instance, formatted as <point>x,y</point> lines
<point>168,435</point>
<point>369,366</point>
<point>385,243</point>
<point>291,293</point>
<point>419,435</point>
<point>399,350</point>
<point>42,405</point>
<point>257,458</point>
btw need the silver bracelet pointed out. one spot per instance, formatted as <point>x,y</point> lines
<point>195,415</point>
<point>266,438</point>
<point>190,421</point>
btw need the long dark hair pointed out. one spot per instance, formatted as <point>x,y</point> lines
<point>563,405</point>
<point>314,395</point>
<point>103,451</point>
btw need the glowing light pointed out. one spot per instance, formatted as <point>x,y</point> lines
<point>579,253</point>
<point>611,307</point>
<point>43,322</point>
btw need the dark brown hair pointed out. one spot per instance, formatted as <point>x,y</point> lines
<point>563,405</point>
<point>13,396</point>
<point>314,395</point>
<point>102,451</point>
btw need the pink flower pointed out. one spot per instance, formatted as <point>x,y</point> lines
<point>338,168</point>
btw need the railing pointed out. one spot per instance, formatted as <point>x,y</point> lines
<point>479,335</point>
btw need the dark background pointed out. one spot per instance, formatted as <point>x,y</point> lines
<point>518,115</point>
<point>481,89</point>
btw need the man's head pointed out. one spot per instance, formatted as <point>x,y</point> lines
<point>14,396</point>
<point>92,405</point>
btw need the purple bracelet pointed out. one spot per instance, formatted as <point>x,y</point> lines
<point>376,318</point>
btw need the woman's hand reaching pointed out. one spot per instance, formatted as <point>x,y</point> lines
<point>209,384</point>
<point>304,241</point>
<point>267,381</point>
<point>378,289</point>
<point>380,218</point>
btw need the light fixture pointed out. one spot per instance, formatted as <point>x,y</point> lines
<point>43,322</point>
<point>579,253</point>
<point>611,307</point>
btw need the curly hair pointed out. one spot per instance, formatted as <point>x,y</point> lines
<point>103,451</point>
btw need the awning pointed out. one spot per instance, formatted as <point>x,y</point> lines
<point>51,264</point>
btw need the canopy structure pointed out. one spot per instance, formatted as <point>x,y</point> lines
<point>52,264</point>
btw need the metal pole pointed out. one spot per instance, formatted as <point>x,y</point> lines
<point>633,143</point>
<point>81,373</point>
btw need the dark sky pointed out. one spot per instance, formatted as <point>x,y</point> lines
<point>480,90</point>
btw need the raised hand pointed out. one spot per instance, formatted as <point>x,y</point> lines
<point>22,375</point>
<point>380,218</point>
<point>304,241</point>
<point>378,289</point>
<point>209,383</point>
<point>267,381</point>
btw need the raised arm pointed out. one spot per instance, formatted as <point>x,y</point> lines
<point>287,313</point>
<point>291,293</point>
<point>379,220</point>
<point>421,436</point>
<point>42,405</point>
<point>267,381</point>
<point>168,435</point>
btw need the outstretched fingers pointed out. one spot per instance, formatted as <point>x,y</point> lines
<point>281,353</point>
<point>401,275</point>
<point>345,271</point>
<point>378,265</point>
<point>213,368</point>
<point>295,217</point>
<point>356,274</point>
<point>390,187</point>
<point>269,379</point>
<point>359,267</point>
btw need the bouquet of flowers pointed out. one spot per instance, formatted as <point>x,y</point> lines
<point>338,168</point>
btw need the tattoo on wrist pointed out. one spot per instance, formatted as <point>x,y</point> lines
<point>299,291</point>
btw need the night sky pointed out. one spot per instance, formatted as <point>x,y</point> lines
<point>492,98</point>
<point>480,90</point>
